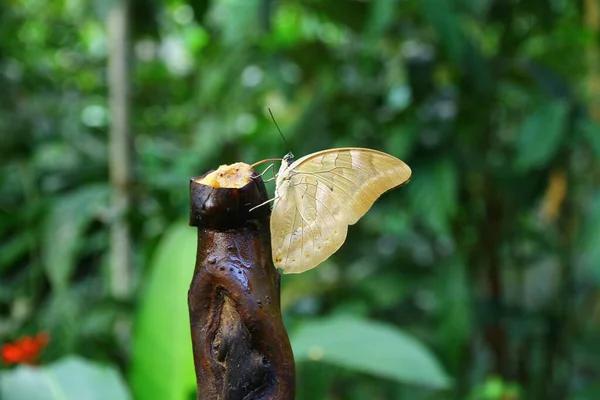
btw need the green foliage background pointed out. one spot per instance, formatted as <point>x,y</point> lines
<point>485,268</point>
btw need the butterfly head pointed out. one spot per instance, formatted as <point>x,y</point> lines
<point>288,159</point>
<point>286,162</point>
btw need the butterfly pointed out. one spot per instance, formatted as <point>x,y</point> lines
<point>318,196</point>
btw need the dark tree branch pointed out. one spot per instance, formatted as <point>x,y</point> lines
<point>241,348</point>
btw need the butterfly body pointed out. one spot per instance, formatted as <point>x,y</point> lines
<point>319,195</point>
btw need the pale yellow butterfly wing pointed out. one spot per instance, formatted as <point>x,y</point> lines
<point>319,195</point>
<point>307,225</point>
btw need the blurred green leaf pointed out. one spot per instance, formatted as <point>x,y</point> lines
<point>64,228</point>
<point>12,249</point>
<point>162,366</point>
<point>200,7</point>
<point>71,378</point>
<point>495,388</point>
<point>313,381</point>
<point>195,38</point>
<point>455,311</point>
<point>590,237</point>
<point>351,15</point>
<point>382,13</point>
<point>402,140</point>
<point>238,20</point>
<point>433,191</point>
<point>144,15</point>
<point>385,289</point>
<point>444,20</point>
<point>103,7</point>
<point>540,135</point>
<point>591,131</point>
<point>368,346</point>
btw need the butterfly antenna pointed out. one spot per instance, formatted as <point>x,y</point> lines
<point>284,141</point>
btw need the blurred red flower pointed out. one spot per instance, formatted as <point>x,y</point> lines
<point>25,350</point>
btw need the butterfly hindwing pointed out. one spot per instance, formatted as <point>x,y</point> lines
<point>307,226</point>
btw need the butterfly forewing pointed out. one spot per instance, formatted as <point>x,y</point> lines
<point>321,194</point>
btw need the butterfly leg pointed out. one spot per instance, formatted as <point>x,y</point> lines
<point>270,167</point>
<point>262,204</point>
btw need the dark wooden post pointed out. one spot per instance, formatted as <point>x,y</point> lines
<point>241,348</point>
